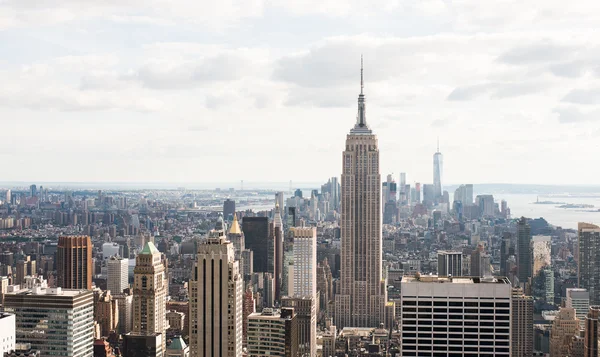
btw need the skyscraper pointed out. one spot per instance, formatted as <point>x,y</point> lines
<point>564,327</point>
<point>149,294</point>
<point>256,234</point>
<point>438,167</point>
<point>541,247</point>
<point>579,299</point>
<point>273,333</point>
<point>590,345</point>
<point>449,263</point>
<point>118,274</point>
<point>522,324</point>
<point>228,209</point>
<point>55,321</point>
<point>216,292</point>
<point>524,264</point>
<point>362,297</point>
<point>589,260</point>
<point>74,262</point>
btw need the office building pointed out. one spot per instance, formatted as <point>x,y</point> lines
<point>564,328</point>
<point>588,270</point>
<point>55,321</point>
<point>578,299</point>
<point>256,236</point>
<point>143,345</point>
<point>228,209</point>
<point>362,298</point>
<point>449,263</point>
<point>524,263</point>
<point>106,312</point>
<point>507,249</point>
<point>273,333</point>
<point>590,343</point>
<point>480,262</point>
<point>438,167</point>
<point>522,324</point>
<point>486,205</point>
<point>149,295</point>
<point>7,333</point>
<point>74,262</point>
<point>125,305</point>
<point>305,308</point>
<point>305,262</point>
<point>216,292</point>
<point>462,316</point>
<point>25,267</point>
<point>118,274</point>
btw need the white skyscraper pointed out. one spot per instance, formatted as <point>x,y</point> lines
<point>362,298</point>
<point>118,274</point>
<point>216,292</point>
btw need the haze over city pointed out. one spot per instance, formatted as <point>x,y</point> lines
<point>172,91</point>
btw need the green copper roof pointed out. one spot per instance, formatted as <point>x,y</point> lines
<point>149,248</point>
<point>177,344</point>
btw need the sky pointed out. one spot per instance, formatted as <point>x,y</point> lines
<point>266,90</point>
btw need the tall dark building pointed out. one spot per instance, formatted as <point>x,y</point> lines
<point>256,233</point>
<point>506,250</point>
<point>74,262</point>
<point>588,267</point>
<point>228,209</point>
<point>524,261</point>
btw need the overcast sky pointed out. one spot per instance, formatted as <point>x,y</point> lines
<point>266,90</point>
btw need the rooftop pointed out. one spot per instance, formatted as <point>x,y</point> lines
<point>455,280</point>
<point>149,248</point>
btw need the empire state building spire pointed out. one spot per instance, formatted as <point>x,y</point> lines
<point>361,126</point>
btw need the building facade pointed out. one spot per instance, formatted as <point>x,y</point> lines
<point>455,316</point>
<point>273,333</point>
<point>57,322</point>
<point>150,294</point>
<point>118,274</point>
<point>362,298</point>
<point>522,324</point>
<point>74,262</point>
<point>588,270</point>
<point>216,292</point>
<point>524,255</point>
<point>449,263</point>
<point>256,236</point>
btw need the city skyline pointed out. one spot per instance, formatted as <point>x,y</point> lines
<point>149,92</point>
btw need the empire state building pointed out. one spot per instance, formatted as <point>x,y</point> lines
<point>362,298</point>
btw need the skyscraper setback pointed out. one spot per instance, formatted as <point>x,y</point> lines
<point>362,296</point>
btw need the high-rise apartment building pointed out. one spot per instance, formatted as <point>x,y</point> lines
<point>57,322</point>
<point>522,324</point>
<point>362,298</point>
<point>305,262</point>
<point>455,316</point>
<point>118,274</point>
<point>25,267</point>
<point>273,333</point>
<point>541,247</point>
<point>564,327</point>
<point>449,263</point>
<point>524,263</point>
<point>438,167</point>
<point>590,343</point>
<point>216,292</point>
<point>74,262</point>
<point>7,333</point>
<point>125,306</point>
<point>149,294</point>
<point>256,235</point>
<point>305,308</point>
<point>588,270</point>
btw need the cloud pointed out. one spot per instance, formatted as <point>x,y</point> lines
<point>572,114</point>
<point>583,96</point>
<point>496,90</point>
<point>541,52</point>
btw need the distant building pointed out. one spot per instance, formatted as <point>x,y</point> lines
<point>56,322</point>
<point>578,299</point>
<point>125,306</point>
<point>74,262</point>
<point>589,264</point>
<point>438,167</point>
<point>564,328</point>
<point>524,263</point>
<point>256,235</point>
<point>228,209</point>
<point>590,344</point>
<point>449,263</point>
<point>106,311</point>
<point>480,262</point>
<point>118,274</point>
<point>542,255</point>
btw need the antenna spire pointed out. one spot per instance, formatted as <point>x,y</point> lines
<point>361,74</point>
<point>438,144</point>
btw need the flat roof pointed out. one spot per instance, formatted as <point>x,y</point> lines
<point>455,280</point>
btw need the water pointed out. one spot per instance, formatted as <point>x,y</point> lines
<point>522,205</point>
